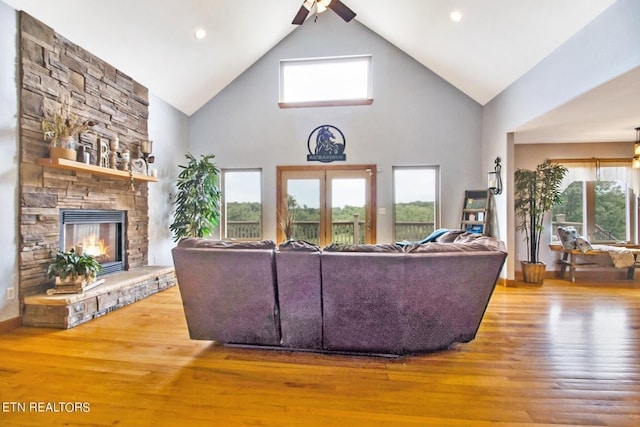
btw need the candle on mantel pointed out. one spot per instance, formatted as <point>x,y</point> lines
<point>145,147</point>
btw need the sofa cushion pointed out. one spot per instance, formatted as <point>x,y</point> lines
<point>336,247</point>
<point>195,242</point>
<point>567,236</point>
<point>450,236</point>
<point>433,236</point>
<point>477,245</point>
<point>583,244</point>
<point>298,246</point>
<point>467,237</point>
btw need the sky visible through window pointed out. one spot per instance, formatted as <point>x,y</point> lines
<point>326,79</point>
<point>242,186</point>
<point>414,184</point>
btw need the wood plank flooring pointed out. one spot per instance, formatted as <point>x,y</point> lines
<point>559,354</point>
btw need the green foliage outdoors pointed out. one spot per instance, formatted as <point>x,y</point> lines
<point>412,212</point>
<point>198,198</point>
<point>243,211</point>
<point>415,212</point>
<point>405,212</point>
<point>610,207</point>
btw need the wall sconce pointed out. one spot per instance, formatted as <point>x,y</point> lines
<point>636,150</point>
<point>495,179</point>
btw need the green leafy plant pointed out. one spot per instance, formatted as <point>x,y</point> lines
<point>198,199</point>
<point>536,192</point>
<point>70,264</point>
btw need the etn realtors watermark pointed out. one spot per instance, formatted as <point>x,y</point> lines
<point>45,407</point>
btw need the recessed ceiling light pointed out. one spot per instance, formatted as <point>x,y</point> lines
<point>456,16</point>
<point>200,33</point>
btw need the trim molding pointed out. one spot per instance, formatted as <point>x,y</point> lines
<point>10,324</point>
<point>507,283</point>
<point>336,103</point>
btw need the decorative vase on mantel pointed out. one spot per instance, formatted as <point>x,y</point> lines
<point>64,148</point>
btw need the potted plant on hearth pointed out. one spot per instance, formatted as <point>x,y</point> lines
<point>198,199</point>
<point>536,192</point>
<point>61,128</point>
<point>73,269</point>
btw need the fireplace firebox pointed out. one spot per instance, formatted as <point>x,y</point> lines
<point>100,233</point>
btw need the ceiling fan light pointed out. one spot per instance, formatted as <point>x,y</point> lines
<point>322,5</point>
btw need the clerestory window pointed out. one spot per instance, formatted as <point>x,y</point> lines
<point>326,81</point>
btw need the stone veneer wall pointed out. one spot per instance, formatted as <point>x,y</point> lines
<point>52,67</point>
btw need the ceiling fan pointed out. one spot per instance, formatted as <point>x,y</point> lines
<point>320,6</point>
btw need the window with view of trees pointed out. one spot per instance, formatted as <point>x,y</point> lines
<point>415,202</point>
<point>596,209</point>
<point>242,209</point>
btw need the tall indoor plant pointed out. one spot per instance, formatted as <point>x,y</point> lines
<point>536,192</point>
<point>198,199</point>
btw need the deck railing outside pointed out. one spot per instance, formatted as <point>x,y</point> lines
<point>343,231</point>
<point>413,231</point>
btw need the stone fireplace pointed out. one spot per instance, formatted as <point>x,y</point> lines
<point>99,233</point>
<point>52,67</point>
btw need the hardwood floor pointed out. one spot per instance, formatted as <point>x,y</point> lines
<point>559,354</point>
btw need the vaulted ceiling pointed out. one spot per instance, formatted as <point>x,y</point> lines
<point>495,43</point>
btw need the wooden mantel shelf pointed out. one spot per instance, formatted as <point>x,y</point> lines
<point>96,170</point>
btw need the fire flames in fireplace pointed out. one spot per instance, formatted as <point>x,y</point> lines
<point>96,233</point>
<point>94,247</point>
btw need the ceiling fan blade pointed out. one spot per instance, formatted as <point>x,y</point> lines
<point>302,14</point>
<point>342,10</point>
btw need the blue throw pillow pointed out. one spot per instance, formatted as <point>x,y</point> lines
<point>433,236</point>
<point>430,238</point>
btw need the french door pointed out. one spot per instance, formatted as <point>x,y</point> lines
<point>327,204</point>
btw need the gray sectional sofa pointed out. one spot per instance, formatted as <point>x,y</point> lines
<point>373,299</point>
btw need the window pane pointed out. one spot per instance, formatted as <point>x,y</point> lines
<point>604,219</point>
<point>569,212</point>
<point>303,200</point>
<point>610,211</point>
<point>347,200</point>
<point>415,207</point>
<point>328,79</point>
<point>243,206</point>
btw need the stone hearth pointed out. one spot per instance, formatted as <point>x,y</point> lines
<point>119,289</point>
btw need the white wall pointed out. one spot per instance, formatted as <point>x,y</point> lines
<point>169,131</point>
<point>416,119</point>
<point>9,163</point>
<point>604,49</point>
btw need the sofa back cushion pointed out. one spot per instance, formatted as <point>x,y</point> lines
<point>298,246</point>
<point>449,236</point>
<point>382,247</point>
<point>195,242</point>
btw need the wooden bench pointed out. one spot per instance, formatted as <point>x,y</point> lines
<point>570,259</point>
